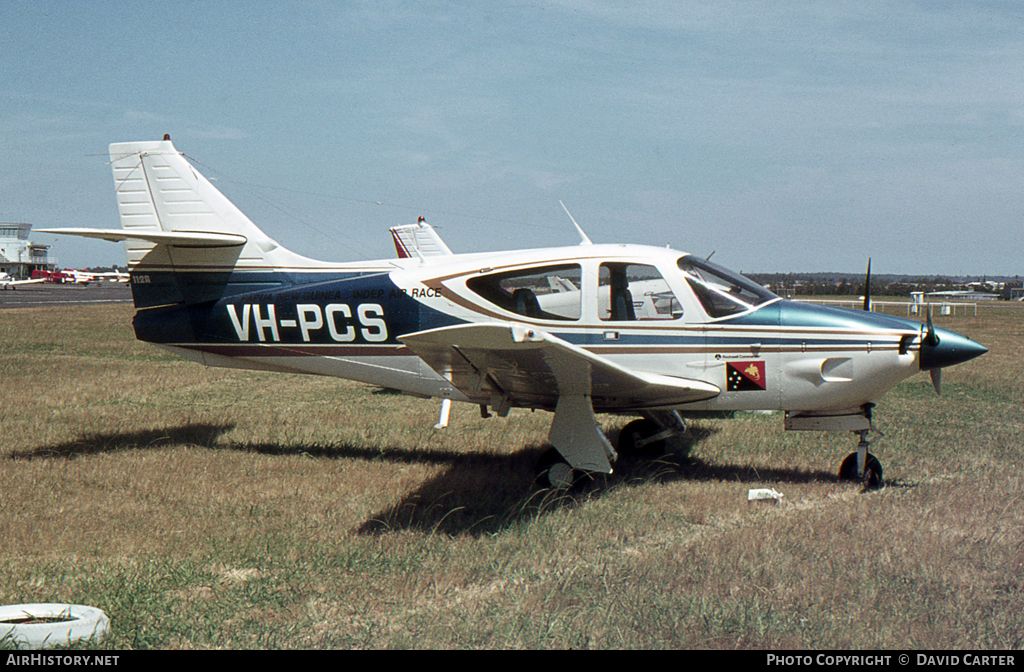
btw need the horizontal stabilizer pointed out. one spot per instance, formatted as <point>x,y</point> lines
<point>532,368</point>
<point>171,238</point>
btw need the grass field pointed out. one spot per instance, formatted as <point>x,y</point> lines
<point>211,508</point>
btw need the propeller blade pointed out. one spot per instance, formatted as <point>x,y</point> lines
<point>931,339</point>
<point>867,287</point>
<point>936,380</point>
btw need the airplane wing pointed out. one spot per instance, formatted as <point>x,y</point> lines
<point>174,238</point>
<point>4,282</point>
<point>532,368</point>
<point>112,277</point>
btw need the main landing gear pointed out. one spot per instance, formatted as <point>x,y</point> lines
<point>862,466</point>
<point>652,434</point>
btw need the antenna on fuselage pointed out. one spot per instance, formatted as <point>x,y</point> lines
<point>584,240</point>
<point>867,287</point>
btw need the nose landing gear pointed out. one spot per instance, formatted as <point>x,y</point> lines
<point>862,466</point>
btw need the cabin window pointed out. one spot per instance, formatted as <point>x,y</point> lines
<point>720,291</point>
<point>635,292</point>
<point>547,293</point>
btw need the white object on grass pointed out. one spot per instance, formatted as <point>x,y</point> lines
<point>59,624</point>
<point>763,493</point>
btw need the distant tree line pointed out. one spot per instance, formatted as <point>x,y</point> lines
<point>837,284</point>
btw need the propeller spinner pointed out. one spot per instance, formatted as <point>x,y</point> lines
<point>941,348</point>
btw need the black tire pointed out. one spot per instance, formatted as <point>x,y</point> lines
<point>872,471</point>
<point>636,431</point>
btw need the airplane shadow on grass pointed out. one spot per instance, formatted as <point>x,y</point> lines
<point>200,434</point>
<point>484,494</point>
<point>479,493</point>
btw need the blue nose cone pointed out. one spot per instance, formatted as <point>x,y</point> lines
<point>952,348</point>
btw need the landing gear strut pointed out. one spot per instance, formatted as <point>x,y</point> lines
<point>862,466</point>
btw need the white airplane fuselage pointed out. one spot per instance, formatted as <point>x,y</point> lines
<point>346,322</point>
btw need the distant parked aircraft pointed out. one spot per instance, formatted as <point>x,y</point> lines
<point>8,282</point>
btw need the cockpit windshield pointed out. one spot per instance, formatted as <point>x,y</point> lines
<point>722,292</point>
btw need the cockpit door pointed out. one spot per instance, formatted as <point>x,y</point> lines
<point>643,323</point>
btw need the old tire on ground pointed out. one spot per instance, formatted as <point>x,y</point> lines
<point>46,625</point>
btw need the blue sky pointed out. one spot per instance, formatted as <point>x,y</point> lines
<point>784,136</point>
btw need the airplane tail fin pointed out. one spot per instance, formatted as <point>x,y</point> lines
<point>419,240</point>
<point>186,243</point>
<point>173,218</point>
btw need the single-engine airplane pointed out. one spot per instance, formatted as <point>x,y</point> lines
<point>8,282</point>
<point>579,330</point>
<point>72,276</point>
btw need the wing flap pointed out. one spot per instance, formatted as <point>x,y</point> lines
<point>533,368</point>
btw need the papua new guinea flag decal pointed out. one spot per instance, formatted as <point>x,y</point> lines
<point>744,376</point>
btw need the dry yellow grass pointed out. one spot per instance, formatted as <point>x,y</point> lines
<point>207,508</point>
